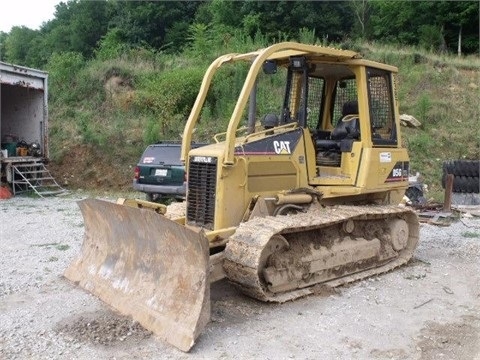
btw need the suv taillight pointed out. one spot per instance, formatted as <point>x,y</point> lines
<point>136,174</point>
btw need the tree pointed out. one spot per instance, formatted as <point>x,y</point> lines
<point>461,24</point>
<point>155,23</point>
<point>18,44</point>
<point>3,38</point>
<point>278,20</point>
<point>431,24</point>
<point>361,9</point>
<point>77,26</point>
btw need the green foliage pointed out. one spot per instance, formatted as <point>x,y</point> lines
<point>252,23</point>
<point>18,44</point>
<point>63,66</point>
<point>200,39</point>
<point>89,130</point>
<point>181,84</point>
<point>156,24</point>
<point>107,29</point>
<point>307,36</point>
<point>224,12</point>
<point>111,46</point>
<point>62,69</point>
<point>77,26</point>
<point>471,234</point>
<point>421,144</point>
<point>423,106</point>
<point>430,37</point>
<point>431,24</point>
<point>223,95</point>
<point>168,98</point>
<point>362,11</point>
<point>3,38</point>
<point>152,132</point>
<point>62,247</point>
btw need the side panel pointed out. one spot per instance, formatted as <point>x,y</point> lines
<point>384,169</point>
<point>263,167</point>
<point>382,177</point>
<point>269,174</point>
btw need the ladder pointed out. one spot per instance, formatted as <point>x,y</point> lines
<point>28,176</point>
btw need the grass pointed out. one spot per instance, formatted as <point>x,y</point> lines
<point>58,246</point>
<point>47,245</point>
<point>471,234</point>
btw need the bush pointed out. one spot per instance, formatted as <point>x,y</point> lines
<point>62,69</point>
<point>111,46</point>
<point>167,98</point>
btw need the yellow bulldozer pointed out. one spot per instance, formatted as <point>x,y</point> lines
<point>301,191</point>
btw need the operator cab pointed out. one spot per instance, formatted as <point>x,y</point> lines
<point>323,97</point>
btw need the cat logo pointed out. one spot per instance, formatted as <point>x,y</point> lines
<point>282,147</point>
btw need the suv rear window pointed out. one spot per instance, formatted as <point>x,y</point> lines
<point>162,154</point>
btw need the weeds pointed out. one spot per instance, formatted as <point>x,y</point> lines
<point>47,245</point>
<point>58,246</point>
<point>471,234</point>
<point>62,247</point>
<point>423,106</point>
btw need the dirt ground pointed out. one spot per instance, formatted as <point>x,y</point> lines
<point>428,309</point>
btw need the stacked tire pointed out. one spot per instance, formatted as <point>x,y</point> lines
<point>465,175</point>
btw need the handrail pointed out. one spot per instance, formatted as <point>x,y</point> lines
<point>292,125</point>
<point>199,101</point>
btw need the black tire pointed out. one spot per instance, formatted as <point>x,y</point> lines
<point>149,197</point>
<point>463,184</point>
<point>470,168</point>
<point>475,185</point>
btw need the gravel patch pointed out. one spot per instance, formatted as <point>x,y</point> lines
<point>428,309</point>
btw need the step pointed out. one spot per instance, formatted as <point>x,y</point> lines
<point>36,183</point>
<point>46,193</point>
<point>38,178</point>
<point>40,186</point>
<point>34,171</point>
<point>24,165</point>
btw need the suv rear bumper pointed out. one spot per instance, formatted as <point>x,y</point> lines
<point>160,189</point>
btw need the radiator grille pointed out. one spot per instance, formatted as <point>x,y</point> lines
<point>202,176</point>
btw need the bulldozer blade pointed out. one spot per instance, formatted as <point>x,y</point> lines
<point>147,267</point>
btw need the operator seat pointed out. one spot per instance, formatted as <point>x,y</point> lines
<point>347,127</point>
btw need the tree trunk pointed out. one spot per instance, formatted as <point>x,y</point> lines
<point>459,50</point>
<point>443,43</point>
<point>360,8</point>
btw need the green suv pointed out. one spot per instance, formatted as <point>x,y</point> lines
<point>160,174</point>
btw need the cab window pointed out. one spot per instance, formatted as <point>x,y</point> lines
<point>382,119</point>
<point>345,92</point>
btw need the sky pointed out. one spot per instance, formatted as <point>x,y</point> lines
<point>29,13</point>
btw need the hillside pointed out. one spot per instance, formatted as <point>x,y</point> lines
<point>103,113</point>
